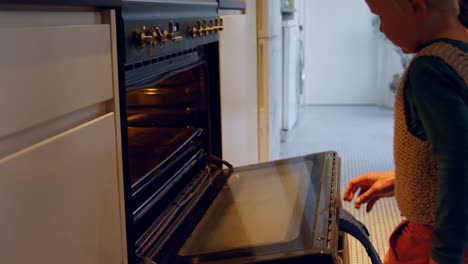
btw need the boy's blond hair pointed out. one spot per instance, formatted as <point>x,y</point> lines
<point>452,7</point>
<point>449,7</point>
<point>446,7</point>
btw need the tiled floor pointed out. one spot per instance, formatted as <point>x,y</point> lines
<point>362,136</point>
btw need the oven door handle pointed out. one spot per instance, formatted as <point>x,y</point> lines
<point>349,224</point>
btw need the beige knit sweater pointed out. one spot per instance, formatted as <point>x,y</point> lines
<point>416,188</point>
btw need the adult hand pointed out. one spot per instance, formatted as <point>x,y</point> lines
<point>372,186</point>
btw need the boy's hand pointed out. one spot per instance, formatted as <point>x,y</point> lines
<point>373,186</point>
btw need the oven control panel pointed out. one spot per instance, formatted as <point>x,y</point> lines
<point>206,27</point>
<point>153,46</point>
<point>157,35</point>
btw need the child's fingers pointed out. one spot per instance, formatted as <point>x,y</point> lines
<point>349,191</point>
<point>365,197</point>
<point>353,185</point>
<point>371,204</point>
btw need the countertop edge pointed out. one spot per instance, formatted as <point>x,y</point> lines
<point>232,4</point>
<point>93,3</point>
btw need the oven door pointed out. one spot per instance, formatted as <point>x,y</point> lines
<point>275,212</point>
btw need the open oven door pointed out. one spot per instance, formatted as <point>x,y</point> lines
<point>285,211</point>
<point>275,212</point>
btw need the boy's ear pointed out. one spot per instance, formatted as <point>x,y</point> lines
<point>419,8</point>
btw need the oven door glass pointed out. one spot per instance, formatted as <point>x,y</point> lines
<point>261,210</point>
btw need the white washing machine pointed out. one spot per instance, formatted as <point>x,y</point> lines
<point>291,76</point>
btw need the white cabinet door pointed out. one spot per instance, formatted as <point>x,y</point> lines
<point>59,199</point>
<point>47,72</point>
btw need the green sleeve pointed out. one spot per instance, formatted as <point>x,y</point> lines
<point>440,99</point>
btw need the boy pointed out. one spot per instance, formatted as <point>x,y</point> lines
<point>430,181</point>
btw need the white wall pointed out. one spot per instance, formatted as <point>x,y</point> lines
<point>340,49</point>
<point>238,62</point>
<point>388,63</point>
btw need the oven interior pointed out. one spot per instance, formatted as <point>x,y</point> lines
<point>169,121</point>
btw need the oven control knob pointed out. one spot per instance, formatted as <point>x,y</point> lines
<point>159,36</point>
<point>144,37</point>
<point>205,27</point>
<point>196,30</point>
<point>146,40</point>
<point>193,32</point>
<point>210,27</point>
<point>216,25</point>
<point>171,35</point>
<point>200,29</point>
<point>221,24</point>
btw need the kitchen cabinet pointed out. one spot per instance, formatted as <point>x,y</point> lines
<point>58,198</point>
<point>68,68</point>
<point>61,178</point>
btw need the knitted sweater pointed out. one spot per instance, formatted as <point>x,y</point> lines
<point>417,185</point>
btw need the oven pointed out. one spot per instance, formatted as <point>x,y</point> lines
<point>184,204</point>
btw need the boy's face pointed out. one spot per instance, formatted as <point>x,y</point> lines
<point>396,22</point>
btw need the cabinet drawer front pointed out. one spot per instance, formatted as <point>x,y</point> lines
<point>46,72</point>
<point>59,199</point>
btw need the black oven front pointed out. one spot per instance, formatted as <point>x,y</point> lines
<point>183,203</point>
<point>171,117</point>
